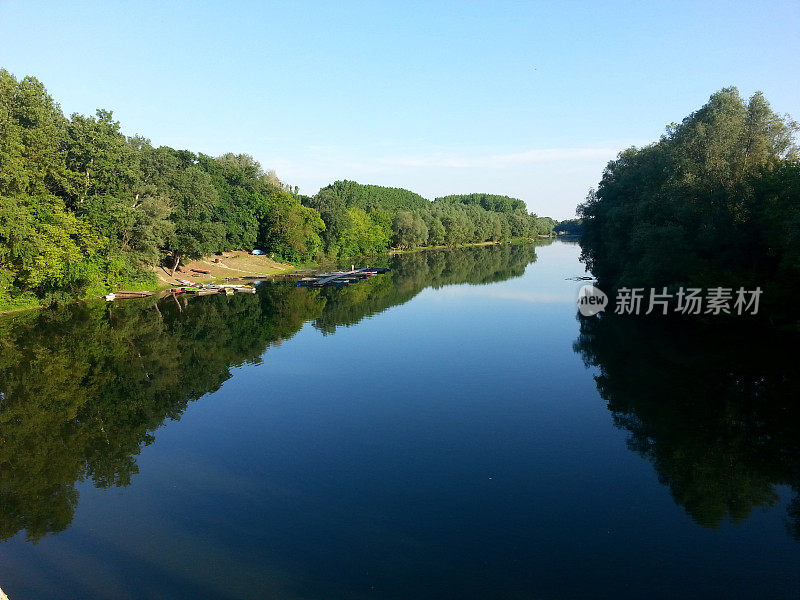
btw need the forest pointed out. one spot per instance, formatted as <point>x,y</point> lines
<point>569,227</point>
<point>365,219</point>
<point>713,203</point>
<point>85,209</point>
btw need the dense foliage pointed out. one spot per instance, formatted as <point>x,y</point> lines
<point>568,227</point>
<point>85,209</point>
<point>407,220</point>
<point>714,203</point>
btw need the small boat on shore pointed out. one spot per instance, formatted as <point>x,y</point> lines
<point>189,288</point>
<point>127,294</point>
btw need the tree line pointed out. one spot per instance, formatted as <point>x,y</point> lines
<point>568,227</point>
<point>365,219</point>
<point>713,203</point>
<point>85,208</point>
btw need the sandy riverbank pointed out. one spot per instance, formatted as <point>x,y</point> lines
<point>230,265</point>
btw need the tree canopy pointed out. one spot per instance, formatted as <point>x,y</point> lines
<point>407,220</point>
<point>85,209</point>
<point>713,203</point>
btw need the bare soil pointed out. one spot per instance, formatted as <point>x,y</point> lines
<point>230,265</point>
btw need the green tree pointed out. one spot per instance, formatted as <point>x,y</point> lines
<point>288,228</point>
<point>98,158</point>
<point>687,209</point>
<point>364,236</point>
<point>409,230</point>
<point>32,131</point>
<point>196,232</point>
<point>46,252</point>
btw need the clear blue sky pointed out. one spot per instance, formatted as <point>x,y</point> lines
<point>528,99</point>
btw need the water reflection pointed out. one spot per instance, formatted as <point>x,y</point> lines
<point>84,388</point>
<point>714,410</point>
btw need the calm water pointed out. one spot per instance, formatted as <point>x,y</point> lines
<point>449,430</point>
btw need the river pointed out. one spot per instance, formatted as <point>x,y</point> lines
<point>449,430</point>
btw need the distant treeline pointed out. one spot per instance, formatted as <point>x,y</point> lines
<point>85,209</point>
<point>713,203</point>
<point>568,227</point>
<point>365,219</point>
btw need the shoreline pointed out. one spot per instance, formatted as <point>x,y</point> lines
<point>232,265</point>
<point>393,251</point>
<point>240,264</point>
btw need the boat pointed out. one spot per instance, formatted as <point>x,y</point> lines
<point>127,294</point>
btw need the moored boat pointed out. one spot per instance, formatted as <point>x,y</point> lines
<point>127,294</point>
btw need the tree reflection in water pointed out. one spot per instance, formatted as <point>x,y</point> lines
<point>84,387</point>
<point>715,410</point>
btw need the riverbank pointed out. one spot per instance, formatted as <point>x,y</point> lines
<point>238,264</point>
<point>538,238</point>
<point>218,268</point>
<point>227,265</point>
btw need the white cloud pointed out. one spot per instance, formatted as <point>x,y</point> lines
<point>499,161</point>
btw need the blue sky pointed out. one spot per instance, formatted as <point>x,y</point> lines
<point>529,99</point>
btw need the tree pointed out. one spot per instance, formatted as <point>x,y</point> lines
<point>569,227</point>
<point>687,209</point>
<point>288,228</point>
<point>409,230</point>
<point>99,160</point>
<point>457,228</point>
<point>46,252</point>
<point>196,233</point>
<point>436,231</point>
<point>33,130</point>
<point>364,236</point>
